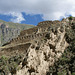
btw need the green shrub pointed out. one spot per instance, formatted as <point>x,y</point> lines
<point>73,73</point>
<point>70,18</point>
<point>4,58</point>
<point>62,73</point>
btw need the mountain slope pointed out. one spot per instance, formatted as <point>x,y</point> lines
<point>9,30</point>
<point>47,49</point>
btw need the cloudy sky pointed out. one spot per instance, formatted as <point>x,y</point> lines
<point>34,11</point>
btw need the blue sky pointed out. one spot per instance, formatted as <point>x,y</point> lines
<point>32,19</point>
<point>29,19</point>
<point>34,11</point>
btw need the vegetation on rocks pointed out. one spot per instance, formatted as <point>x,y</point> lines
<point>9,64</point>
<point>66,64</point>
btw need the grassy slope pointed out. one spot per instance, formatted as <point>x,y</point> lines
<point>16,25</point>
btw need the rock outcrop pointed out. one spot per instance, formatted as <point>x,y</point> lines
<point>41,56</point>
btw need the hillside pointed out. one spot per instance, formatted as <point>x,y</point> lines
<point>9,30</point>
<point>47,49</point>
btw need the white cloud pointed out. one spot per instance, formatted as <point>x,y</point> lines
<point>17,17</point>
<point>50,9</point>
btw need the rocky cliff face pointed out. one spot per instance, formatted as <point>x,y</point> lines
<point>10,30</point>
<point>37,51</point>
<point>41,56</point>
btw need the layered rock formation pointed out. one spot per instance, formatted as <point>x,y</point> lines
<point>37,49</point>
